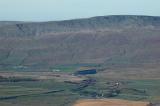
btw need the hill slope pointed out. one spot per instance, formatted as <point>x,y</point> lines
<point>98,40</point>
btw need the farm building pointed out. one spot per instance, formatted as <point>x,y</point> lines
<point>85,72</point>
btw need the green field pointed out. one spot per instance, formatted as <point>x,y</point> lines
<point>38,93</point>
<point>53,93</point>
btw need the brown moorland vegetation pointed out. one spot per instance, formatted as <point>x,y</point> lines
<point>109,102</point>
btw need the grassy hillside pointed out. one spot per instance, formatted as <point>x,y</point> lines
<point>38,60</point>
<point>95,23</point>
<point>106,40</point>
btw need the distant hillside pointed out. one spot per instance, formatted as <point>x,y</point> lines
<point>97,40</point>
<point>95,23</point>
<point>6,23</point>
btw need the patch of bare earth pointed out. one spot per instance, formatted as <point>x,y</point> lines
<point>109,102</point>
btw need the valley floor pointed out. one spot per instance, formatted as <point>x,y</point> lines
<point>29,88</point>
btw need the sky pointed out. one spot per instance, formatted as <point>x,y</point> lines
<point>51,10</point>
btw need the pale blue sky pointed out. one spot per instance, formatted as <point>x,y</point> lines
<point>50,10</point>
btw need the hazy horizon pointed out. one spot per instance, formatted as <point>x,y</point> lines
<point>54,10</point>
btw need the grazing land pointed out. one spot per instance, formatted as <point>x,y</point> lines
<point>55,89</point>
<point>100,60</point>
